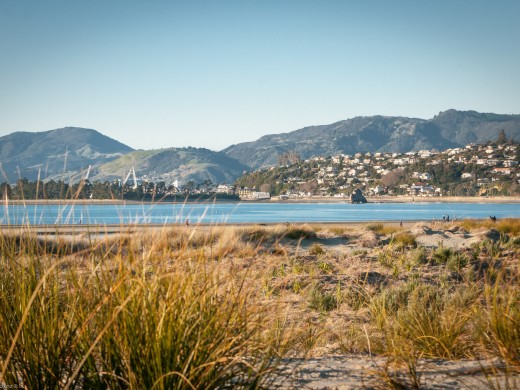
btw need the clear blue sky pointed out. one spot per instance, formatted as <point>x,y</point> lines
<point>155,74</point>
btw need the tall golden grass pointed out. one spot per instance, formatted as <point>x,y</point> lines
<point>217,306</point>
<point>132,311</point>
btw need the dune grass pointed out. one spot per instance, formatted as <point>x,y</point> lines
<point>217,306</point>
<point>139,315</point>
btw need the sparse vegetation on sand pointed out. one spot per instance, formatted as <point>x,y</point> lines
<point>224,306</point>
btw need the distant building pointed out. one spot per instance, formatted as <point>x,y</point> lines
<point>225,189</point>
<point>258,195</point>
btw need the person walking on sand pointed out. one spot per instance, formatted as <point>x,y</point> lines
<point>187,222</point>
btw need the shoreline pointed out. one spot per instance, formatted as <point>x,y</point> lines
<point>313,199</point>
<point>406,199</point>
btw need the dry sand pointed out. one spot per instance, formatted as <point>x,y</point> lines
<point>364,372</point>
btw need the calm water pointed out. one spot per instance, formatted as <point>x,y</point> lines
<point>147,213</point>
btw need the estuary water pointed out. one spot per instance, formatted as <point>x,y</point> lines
<point>245,212</point>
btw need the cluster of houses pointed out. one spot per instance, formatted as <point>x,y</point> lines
<point>339,175</point>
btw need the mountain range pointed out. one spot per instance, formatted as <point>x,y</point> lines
<point>68,153</point>
<point>378,133</point>
<point>53,153</point>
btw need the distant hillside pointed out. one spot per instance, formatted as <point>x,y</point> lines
<point>378,133</point>
<point>65,153</point>
<point>71,149</point>
<point>182,164</point>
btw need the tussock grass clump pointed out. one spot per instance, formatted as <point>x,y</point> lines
<point>256,234</point>
<point>316,250</point>
<point>509,226</point>
<point>456,262</point>
<point>298,233</point>
<point>434,325</point>
<point>382,229</point>
<point>356,296</point>
<point>388,258</point>
<point>442,254</point>
<point>418,256</point>
<point>186,331</point>
<point>38,341</point>
<point>427,319</point>
<point>369,240</point>
<point>337,230</point>
<point>129,320</point>
<point>502,320</point>
<point>403,240</point>
<point>375,227</point>
<point>322,300</point>
<point>30,244</point>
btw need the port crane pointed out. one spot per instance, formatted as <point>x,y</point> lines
<point>131,172</point>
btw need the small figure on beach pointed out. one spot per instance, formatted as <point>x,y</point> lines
<point>401,223</point>
<point>187,222</point>
<point>443,218</point>
<point>493,218</point>
<point>447,218</point>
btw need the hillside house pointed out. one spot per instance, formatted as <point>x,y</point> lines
<point>225,189</point>
<point>244,191</point>
<point>510,163</point>
<point>377,190</point>
<point>421,189</point>
<point>502,171</point>
<point>425,153</point>
<point>258,195</point>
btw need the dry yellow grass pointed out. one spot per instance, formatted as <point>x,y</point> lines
<point>206,304</point>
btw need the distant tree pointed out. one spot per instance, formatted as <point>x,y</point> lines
<point>206,185</point>
<point>283,159</point>
<point>266,187</point>
<point>288,158</point>
<point>5,190</point>
<point>392,177</point>
<point>501,138</point>
<point>25,189</point>
<point>160,189</point>
<point>293,157</point>
<point>309,186</point>
<point>54,190</point>
<point>101,190</point>
<point>189,186</point>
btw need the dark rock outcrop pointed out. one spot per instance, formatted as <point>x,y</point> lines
<point>358,197</point>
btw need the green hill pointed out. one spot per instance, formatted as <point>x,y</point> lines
<point>378,134</point>
<point>181,164</point>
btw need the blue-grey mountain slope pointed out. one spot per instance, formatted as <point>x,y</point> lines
<point>378,133</point>
<point>55,153</point>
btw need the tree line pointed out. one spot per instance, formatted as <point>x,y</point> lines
<point>25,189</point>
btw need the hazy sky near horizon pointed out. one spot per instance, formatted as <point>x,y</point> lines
<point>156,74</point>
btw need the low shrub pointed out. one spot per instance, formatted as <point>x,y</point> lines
<point>297,233</point>
<point>404,240</point>
<point>316,250</point>
<point>321,300</point>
